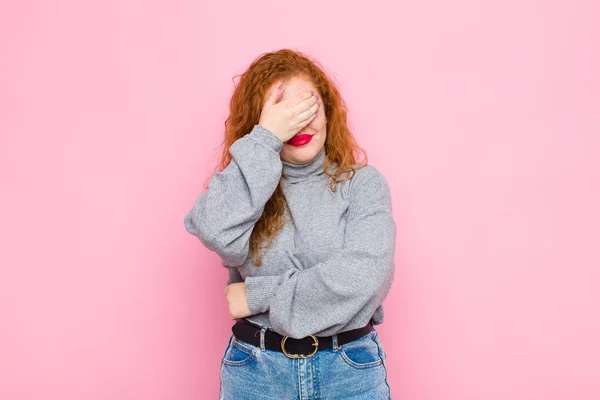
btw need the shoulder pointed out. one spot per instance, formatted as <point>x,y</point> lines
<point>368,175</point>
<point>368,181</point>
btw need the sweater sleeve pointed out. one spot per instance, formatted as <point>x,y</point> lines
<point>234,276</point>
<point>350,285</point>
<point>224,215</point>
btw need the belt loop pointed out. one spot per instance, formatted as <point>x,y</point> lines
<point>262,338</point>
<point>334,339</point>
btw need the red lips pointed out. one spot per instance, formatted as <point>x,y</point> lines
<point>300,140</point>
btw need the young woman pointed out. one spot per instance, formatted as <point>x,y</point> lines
<point>307,236</point>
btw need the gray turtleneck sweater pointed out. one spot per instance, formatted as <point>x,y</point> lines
<point>330,267</point>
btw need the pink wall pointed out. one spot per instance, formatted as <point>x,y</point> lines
<point>484,117</point>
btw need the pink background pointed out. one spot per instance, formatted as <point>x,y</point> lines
<point>483,116</point>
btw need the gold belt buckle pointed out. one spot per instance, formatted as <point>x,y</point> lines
<point>316,344</point>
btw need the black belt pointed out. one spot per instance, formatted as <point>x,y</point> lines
<point>294,348</point>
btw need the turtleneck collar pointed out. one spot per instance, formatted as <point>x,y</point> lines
<point>293,173</point>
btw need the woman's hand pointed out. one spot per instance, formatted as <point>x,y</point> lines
<point>237,300</point>
<point>286,118</point>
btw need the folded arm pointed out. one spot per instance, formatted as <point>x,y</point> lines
<point>353,282</point>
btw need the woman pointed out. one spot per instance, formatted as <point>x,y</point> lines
<point>307,236</point>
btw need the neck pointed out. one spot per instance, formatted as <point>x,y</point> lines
<point>293,173</point>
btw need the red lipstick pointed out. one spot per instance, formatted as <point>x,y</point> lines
<point>300,140</point>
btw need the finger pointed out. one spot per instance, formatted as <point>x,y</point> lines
<point>305,104</point>
<point>302,98</point>
<point>307,121</point>
<point>275,94</point>
<point>309,114</point>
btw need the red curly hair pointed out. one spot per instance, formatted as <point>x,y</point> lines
<point>245,110</point>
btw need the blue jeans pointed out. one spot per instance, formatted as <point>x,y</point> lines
<point>353,371</point>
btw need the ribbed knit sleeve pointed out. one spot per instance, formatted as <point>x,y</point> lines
<point>349,285</point>
<point>224,215</point>
<point>234,276</point>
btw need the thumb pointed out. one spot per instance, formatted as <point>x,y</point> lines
<point>275,94</point>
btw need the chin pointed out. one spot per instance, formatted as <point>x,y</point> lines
<point>299,155</point>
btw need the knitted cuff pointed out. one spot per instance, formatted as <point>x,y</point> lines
<point>266,138</point>
<point>259,290</point>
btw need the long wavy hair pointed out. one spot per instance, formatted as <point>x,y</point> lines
<point>245,110</point>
